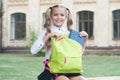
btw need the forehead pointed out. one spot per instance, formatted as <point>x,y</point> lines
<point>58,10</point>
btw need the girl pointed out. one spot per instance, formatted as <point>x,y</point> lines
<point>55,17</point>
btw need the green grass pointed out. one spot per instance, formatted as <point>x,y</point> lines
<point>19,67</point>
<point>97,66</point>
<point>28,67</point>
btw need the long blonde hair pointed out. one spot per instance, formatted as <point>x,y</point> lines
<point>48,21</point>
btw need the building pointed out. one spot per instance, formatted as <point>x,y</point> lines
<point>100,18</point>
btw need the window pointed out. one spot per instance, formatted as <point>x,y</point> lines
<point>116,24</point>
<point>85,19</point>
<point>18,26</point>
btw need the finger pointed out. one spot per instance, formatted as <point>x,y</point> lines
<point>81,34</point>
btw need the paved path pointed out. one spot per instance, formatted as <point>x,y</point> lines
<point>105,78</point>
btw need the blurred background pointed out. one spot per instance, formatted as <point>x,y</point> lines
<point>22,20</point>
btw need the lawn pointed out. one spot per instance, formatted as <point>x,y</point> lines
<point>27,66</point>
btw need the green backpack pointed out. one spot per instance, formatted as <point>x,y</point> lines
<point>66,56</point>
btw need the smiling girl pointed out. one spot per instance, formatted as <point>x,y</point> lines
<point>55,17</point>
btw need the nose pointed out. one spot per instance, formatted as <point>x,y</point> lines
<point>59,16</point>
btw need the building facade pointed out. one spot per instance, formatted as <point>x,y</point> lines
<point>100,18</point>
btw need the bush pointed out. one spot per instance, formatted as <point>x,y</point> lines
<point>31,40</point>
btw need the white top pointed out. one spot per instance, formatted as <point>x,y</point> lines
<point>38,44</point>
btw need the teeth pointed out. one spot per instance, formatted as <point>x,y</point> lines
<point>58,21</point>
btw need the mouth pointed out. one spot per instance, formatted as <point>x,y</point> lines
<point>58,21</point>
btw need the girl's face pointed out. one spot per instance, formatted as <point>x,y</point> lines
<point>58,16</point>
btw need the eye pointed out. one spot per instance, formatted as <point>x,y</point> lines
<point>55,14</point>
<point>62,14</point>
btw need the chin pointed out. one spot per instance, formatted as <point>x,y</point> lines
<point>58,25</point>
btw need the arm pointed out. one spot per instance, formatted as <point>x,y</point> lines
<point>83,33</point>
<point>38,44</point>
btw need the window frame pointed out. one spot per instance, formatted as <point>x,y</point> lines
<point>18,26</point>
<point>88,20</point>
<point>116,19</point>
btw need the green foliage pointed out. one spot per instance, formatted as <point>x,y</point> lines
<point>1,9</point>
<point>32,37</point>
<point>31,40</point>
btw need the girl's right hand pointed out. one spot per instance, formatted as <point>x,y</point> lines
<point>49,35</point>
<point>55,34</point>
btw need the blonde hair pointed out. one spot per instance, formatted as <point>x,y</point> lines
<point>48,17</point>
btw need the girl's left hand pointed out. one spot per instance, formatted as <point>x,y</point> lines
<point>83,33</point>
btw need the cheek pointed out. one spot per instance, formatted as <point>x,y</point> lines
<point>53,17</point>
<point>64,18</point>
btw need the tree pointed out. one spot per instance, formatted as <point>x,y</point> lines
<point>1,15</point>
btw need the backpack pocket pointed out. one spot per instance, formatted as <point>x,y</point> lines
<point>71,65</point>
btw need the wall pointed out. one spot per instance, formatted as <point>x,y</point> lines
<point>34,10</point>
